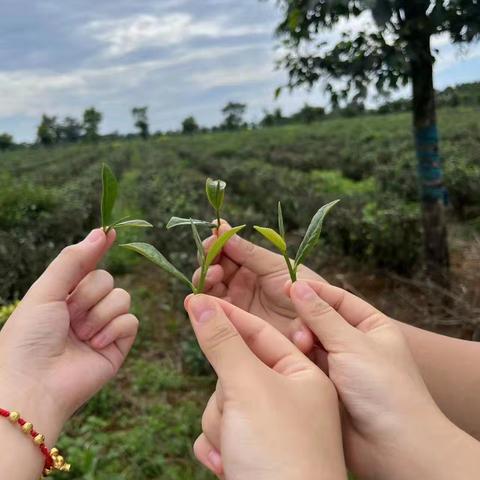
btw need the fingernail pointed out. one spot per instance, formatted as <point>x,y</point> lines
<point>215,460</point>
<point>95,235</point>
<point>303,291</point>
<point>202,308</point>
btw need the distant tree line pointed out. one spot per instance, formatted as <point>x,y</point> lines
<point>53,131</point>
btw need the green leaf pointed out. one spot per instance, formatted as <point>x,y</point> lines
<point>273,237</point>
<point>131,223</point>
<point>198,241</point>
<point>215,192</point>
<point>109,194</point>
<point>152,254</point>
<point>216,248</point>
<point>178,222</point>
<point>281,226</point>
<point>312,236</point>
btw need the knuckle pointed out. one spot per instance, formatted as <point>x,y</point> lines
<point>319,309</point>
<point>105,277</point>
<point>70,254</point>
<point>219,335</point>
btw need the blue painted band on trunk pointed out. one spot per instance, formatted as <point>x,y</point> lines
<point>430,165</point>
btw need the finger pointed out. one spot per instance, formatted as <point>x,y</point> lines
<point>95,286</point>
<point>265,341</point>
<point>121,330</point>
<point>70,267</point>
<point>244,253</point>
<point>354,310</point>
<point>207,455</point>
<point>219,290</point>
<point>214,276</point>
<point>219,340</point>
<point>211,422</point>
<point>242,287</point>
<point>229,268</point>
<point>116,303</point>
<point>326,323</point>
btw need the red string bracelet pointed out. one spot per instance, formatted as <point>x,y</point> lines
<point>53,459</point>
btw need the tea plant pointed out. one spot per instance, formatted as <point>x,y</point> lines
<point>310,240</point>
<point>109,197</point>
<point>215,190</point>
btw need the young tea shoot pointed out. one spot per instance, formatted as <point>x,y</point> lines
<point>109,197</point>
<point>309,242</point>
<point>215,196</point>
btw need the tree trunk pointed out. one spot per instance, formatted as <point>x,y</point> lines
<point>432,189</point>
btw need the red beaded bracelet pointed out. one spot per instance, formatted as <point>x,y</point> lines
<point>53,459</point>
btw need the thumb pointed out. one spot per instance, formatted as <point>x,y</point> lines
<point>221,343</point>
<point>333,331</point>
<point>70,267</point>
<point>246,254</point>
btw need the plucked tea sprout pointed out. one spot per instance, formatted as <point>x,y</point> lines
<point>310,240</point>
<point>215,190</point>
<point>109,197</point>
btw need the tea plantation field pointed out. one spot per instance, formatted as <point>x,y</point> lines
<point>143,424</point>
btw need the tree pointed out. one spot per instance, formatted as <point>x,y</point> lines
<point>6,141</point>
<point>47,131</point>
<point>397,52</point>
<point>274,118</point>
<point>190,125</point>
<point>309,114</point>
<point>91,122</point>
<point>140,116</point>
<point>70,130</point>
<point>233,113</point>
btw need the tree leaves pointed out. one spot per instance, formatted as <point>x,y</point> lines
<point>152,254</point>
<point>135,223</point>
<point>273,237</point>
<point>216,248</point>
<point>178,222</point>
<point>312,236</point>
<point>109,195</point>
<point>281,227</point>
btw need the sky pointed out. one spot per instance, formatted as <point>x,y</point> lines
<point>179,57</point>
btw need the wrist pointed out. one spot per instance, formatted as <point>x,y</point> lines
<point>432,447</point>
<point>35,405</point>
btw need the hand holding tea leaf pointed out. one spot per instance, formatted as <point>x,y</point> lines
<point>109,197</point>
<point>215,193</point>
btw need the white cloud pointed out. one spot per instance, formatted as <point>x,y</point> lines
<point>126,35</point>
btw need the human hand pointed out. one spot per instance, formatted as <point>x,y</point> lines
<point>252,278</point>
<point>392,427</point>
<point>274,414</point>
<point>68,337</point>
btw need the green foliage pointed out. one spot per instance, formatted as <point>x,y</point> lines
<point>310,240</point>
<point>6,141</point>
<point>382,56</point>
<point>140,116</point>
<point>233,114</point>
<point>190,125</point>
<point>47,132</point>
<point>6,311</point>
<point>91,123</point>
<point>109,197</point>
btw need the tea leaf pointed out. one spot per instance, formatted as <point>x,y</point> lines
<point>177,222</point>
<point>281,227</point>
<point>215,192</point>
<point>131,223</point>
<point>152,254</point>
<point>312,236</point>
<point>198,241</point>
<point>109,194</point>
<point>273,237</point>
<point>216,248</point>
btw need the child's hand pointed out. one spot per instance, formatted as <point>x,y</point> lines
<point>393,428</point>
<point>67,338</point>
<point>274,414</point>
<point>252,278</point>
